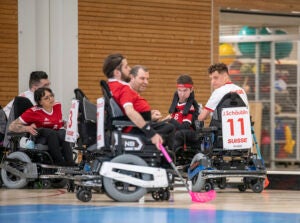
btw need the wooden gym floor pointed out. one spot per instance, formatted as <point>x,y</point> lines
<point>230,206</point>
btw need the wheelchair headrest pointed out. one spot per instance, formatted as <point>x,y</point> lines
<point>105,89</point>
<point>90,110</point>
<point>115,109</point>
<point>79,95</point>
<point>190,101</point>
<point>231,99</point>
<point>20,105</point>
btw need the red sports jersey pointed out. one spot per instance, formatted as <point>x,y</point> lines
<point>123,95</point>
<point>43,119</point>
<point>179,117</point>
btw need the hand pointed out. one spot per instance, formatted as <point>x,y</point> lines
<point>168,117</point>
<point>32,129</point>
<point>157,140</point>
<point>155,115</point>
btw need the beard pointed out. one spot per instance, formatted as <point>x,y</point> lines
<point>125,77</point>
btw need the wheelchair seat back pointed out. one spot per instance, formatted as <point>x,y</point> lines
<point>230,100</point>
<point>20,105</point>
<point>115,115</point>
<point>134,143</point>
<point>87,118</point>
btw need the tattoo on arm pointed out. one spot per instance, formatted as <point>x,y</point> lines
<point>17,126</point>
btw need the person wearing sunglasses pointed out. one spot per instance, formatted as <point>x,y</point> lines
<point>44,121</point>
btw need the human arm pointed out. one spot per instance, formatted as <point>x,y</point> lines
<point>138,120</point>
<point>204,114</point>
<point>18,126</point>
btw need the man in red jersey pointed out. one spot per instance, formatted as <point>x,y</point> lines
<point>183,112</point>
<point>139,80</point>
<point>136,108</point>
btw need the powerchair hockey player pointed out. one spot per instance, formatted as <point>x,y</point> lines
<point>127,166</point>
<point>226,157</point>
<point>25,162</point>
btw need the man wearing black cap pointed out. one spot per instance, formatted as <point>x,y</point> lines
<point>117,70</point>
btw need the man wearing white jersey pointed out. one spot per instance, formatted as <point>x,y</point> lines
<point>221,84</point>
<point>37,79</point>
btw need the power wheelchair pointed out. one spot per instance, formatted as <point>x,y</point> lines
<point>124,166</point>
<point>21,166</point>
<point>226,158</point>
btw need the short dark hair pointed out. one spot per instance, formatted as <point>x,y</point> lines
<point>220,67</point>
<point>36,76</point>
<point>134,70</point>
<point>39,93</point>
<point>185,79</point>
<point>112,62</point>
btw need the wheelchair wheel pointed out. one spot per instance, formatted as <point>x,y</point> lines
<point>222,183</point>
<point>242,187</point>
<point>84,195</point>
<point>9,179</point>
<point>257,187</point>
<point>208,186</point>
<point>46,184</point>
<point>198,182</point>
<point>161,195</point>
<point>126,192</point>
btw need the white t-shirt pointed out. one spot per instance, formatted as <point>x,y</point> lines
<point>220,92</point>
<point>28,94</point>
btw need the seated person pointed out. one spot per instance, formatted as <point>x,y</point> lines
<point>139,80</point>
<point>37,79</point>
<point>221,84</point>
<point>44,120</point>
<point>183,111</point>
<point>135,107</point>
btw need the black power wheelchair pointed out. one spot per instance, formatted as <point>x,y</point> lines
<point>124,166</point>
<point>21,166</point>
<point>228,161</point>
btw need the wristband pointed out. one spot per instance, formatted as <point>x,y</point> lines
<point>149,132</point>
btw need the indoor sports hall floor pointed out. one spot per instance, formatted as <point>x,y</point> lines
<point>230,206</point>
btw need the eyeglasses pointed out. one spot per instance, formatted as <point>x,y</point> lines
<point>48,97</point>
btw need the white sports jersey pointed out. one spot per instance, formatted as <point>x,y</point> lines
<point>219,93</point>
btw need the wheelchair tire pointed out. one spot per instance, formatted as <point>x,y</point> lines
<point>15,182</point>
<point>124,192</point>
<point>198,182</point>
<point>84,195</point>
<point>258,187</point>
<point>161,195</point>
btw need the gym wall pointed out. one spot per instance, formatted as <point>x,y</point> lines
<point>8,50</point>
<point>169,37</point>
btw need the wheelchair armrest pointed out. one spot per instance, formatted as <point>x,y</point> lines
<point>122,123</point>
<point>201,129</point>
<point>199,125</point>
<point>17,134</point>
